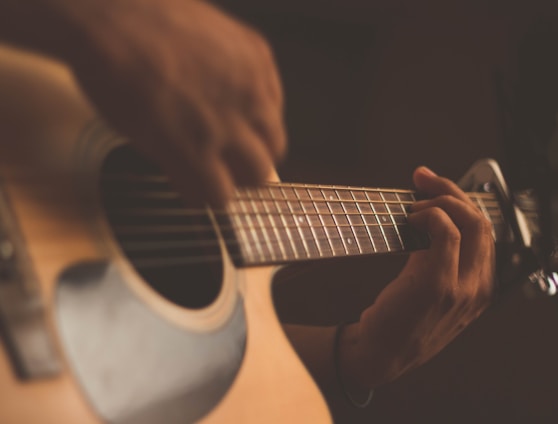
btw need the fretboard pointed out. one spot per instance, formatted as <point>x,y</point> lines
<point>280,223</point>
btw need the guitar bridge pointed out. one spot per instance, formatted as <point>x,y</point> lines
<point>23,323</point>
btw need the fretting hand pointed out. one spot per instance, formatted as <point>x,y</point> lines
<point>439,292</point>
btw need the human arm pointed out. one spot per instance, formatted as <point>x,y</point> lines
<point>438,293</point>
<point>189,86</point>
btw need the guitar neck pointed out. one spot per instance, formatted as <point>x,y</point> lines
<point>280,223</point>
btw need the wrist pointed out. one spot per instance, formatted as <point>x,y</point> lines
<point>349,365</point>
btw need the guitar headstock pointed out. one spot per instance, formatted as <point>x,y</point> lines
<point>519,257</point>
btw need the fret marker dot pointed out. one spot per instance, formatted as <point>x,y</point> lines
<point>330,197</point>
<point>384,219</point>
<point>349,241</point>
<point>300,219</point>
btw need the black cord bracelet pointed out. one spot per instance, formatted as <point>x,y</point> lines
<point>336,363</point>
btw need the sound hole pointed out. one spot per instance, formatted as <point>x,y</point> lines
<point>174,248</point>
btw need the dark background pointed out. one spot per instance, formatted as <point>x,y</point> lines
<point>375,88</point>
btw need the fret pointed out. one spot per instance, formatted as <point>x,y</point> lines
<point>301,193</point>
<point>316,194</point>
<point>293,236</point>
<point>287,245</point>
<point>246,245</point>
<point>349,235</point>
<point>366,240</point>
<point>280,222</point>
<point>335,232</point>
<point>303,223</point>
<point>292,217</point>
<point>357,225</point>
<point>317,227</point>
<point>373,225</point>
<point>381,219</point>
<point>260,244</point>
<point>412,239</point>
<point>273,220</point>
<point>327,222</point>
<point>271,241</point>
<point>394,208</point>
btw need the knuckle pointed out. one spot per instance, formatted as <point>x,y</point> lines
<point>443,292</point>
<point>272,133</point>
<point>481,225</point>
<point>467,296</point>
<point>279,145</point>
<point>446,185</point>
<point>485,293</point>
<point>447,199</point>
<point>437,214</point>
<point>447,229</point>
<point>448,300</point>
<point>452,234</point>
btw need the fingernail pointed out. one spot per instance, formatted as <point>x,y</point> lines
<point>427,171</point>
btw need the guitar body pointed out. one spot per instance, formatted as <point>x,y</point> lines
<point>123,353</point>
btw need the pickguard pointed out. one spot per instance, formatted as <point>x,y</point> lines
<point>133,364</point>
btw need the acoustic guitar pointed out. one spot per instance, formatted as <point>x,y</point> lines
<point>120,304</point>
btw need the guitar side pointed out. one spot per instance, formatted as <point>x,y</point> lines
<point>36,163</point>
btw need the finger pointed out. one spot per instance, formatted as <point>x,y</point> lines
<point>272,79</point>
<point>432,185</point>
<point>475,229</point>
<point>201,179</point>
<point>247,158</point>
<point>265,117</point>
<point>268,123</point>
<point>211,183</point>
<point>463,214</point>
<point>445,240</point>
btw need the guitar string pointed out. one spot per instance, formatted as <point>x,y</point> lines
<point>494,213</point>
<point>147,262</point>
<point>273,242</point>
<point>139,246</point>
<point>294,202</point>
<point>390,246</point>
<point>273,208</point>
<point>489,196</point>
<point>271,232</point>
<point>171,194</point>
<point>298,253</point>
<point>162,194</point>
<point>180,212</point>
<point>276,242</point>
<point>190,229</point>
<point>335,251</point>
